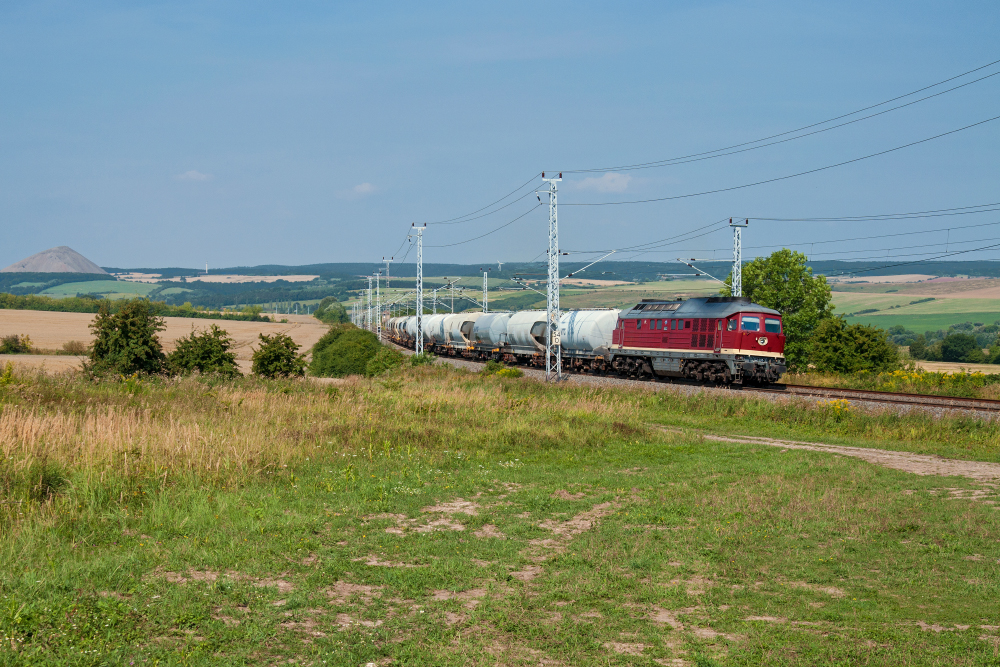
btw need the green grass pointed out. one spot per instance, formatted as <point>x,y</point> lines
<point>439,518</point>
<point>921,323</point>
<point>112,288</point>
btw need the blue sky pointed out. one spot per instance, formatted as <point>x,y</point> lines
<point>242,133</point>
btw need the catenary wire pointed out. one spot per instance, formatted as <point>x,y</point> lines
<point>784,178</point>
<point>492,231</point>
<point>459,218</point>
<point>937,213</point>
<point>781,134</point>
<point>807,134</point>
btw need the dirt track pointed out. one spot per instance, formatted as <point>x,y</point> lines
<point>49,331</point>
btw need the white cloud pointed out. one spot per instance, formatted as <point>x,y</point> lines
<point>194,176</point>
<point>357,192</point>
<point>609,182</point>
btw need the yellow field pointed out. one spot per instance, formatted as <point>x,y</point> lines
<point>49,331</point>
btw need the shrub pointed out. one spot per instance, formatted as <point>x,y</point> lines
<point>961,347</point>
<point>422,359</point>
<point>278,356</point>
<point>497,369</point>
<point>207,352</point>
<point>15,344</point>
<point>840,348</point>
<point>126,341</point>
<point>384,360</point>
<point>343,350</point>
<point>74,347</point>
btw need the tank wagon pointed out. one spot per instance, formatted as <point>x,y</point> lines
<point>727,340</point>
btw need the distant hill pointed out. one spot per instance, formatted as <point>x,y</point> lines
<point>55,260</point>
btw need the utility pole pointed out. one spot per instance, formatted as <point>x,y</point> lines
<point>738,254</point>
<point>486,286</point>
<point>553,349</point>
<point>420,286</point>
<point>368,314</point>
<point>378,307</point>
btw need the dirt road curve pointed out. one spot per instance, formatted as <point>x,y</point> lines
<point>50,330</point>
<point>918,464</point>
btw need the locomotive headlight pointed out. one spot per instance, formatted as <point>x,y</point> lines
<point>762,340</point>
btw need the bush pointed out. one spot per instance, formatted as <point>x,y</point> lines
<point>495,368</point>
<point>836,347</point>
<point>422,359</point>
<point>384,360</point>
<point>74,347</point>
<point>126,341</point>
<point>15,344</point>
<point>208,352</point>
<point>278,356</point>
<point>343,350</point>
<point>961,347</point>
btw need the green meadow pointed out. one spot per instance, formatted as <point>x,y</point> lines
<point>436,517</point>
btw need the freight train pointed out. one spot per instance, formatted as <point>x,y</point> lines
<point>724,340</point>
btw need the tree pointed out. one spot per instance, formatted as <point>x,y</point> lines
<point>207,352</point>
<point>961,347</point>
<point>837,347</point>
<point>782,281</point>
<point>918,348</point>
<point>277,356</point>
<point>126,341</point>
<point>331,311</point>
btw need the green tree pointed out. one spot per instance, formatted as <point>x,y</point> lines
<point>331,311</point>
<point>278,356</point>
<point>782,281</point>
<point>837,347</point>
<point>126,341</point>
<point>384,360</point>
<point>961,347</point>
<point>207,352</point>
<point>918,348</point>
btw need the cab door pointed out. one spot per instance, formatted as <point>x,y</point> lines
<point>719,326</point>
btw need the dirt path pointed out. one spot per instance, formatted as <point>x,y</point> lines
<point>918,464</point>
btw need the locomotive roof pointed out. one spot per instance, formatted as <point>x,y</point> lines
<point>712,307</point>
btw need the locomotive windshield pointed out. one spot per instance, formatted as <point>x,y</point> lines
<point>772,325</point>
<point>751,323</point>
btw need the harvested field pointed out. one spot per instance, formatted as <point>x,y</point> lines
<point>50,330</point>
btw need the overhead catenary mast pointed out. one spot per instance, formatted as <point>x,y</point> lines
<point>553,352</point>
<point>378,307</point>
<point>420,286</point>
<point>738,225</point>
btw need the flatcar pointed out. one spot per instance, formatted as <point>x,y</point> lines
<point>724,340</point>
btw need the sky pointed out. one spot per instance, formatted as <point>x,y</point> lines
<point>242,133</point>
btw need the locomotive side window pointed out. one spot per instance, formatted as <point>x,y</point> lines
<point>772,325</point>
<point>731,326</point>
<point>751,323</point>
<point>638,324</point>
<point>673,324</point>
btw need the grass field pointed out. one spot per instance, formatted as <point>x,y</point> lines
<point>113,289</point>
<point>925,322</point>
<point>439,518</point>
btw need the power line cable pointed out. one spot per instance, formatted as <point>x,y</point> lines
<point>479,210</point>
<point>492,231</point>
<point>784,178</point>
<point>781,134</point>
<point>937,213</point>
<point>807,134</point>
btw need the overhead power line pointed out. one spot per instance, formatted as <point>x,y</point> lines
<point>785,178</point>
<point>492,231</point>
<point>667,161</point>
<point>462,218</point>
<point>961,210</point>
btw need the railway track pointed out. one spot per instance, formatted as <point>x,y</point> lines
<point>925,401</point>
<point>921,400</point>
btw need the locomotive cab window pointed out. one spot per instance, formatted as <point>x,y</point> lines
<point>751,323</point>
<point>772,325</point>
<point>731,326</point>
